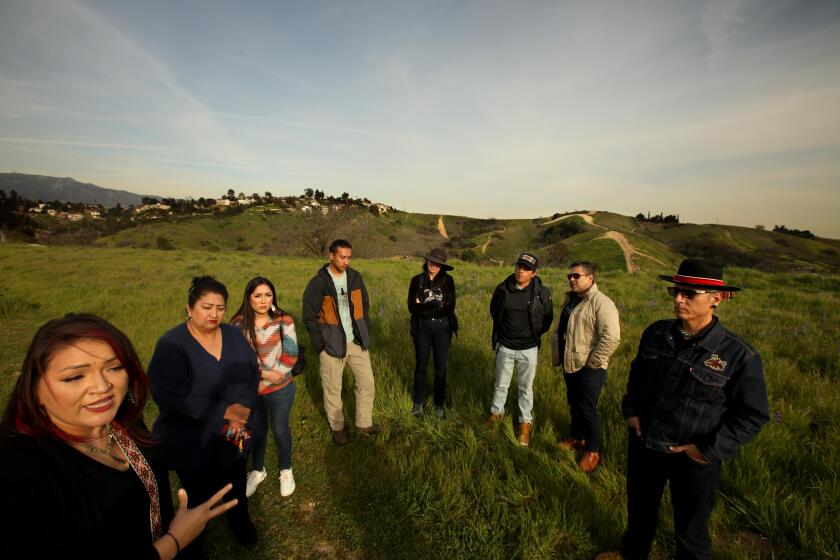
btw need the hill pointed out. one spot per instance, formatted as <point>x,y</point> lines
<point>304,225</point>
<point>428,488</point>
<point>65,189</point>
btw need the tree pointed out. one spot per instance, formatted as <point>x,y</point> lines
<point>317,230</point>
<point>760,227</point>
<point>345,196</point>
<point>308,193</point>
<point>319,195</point>
<point>268,196</point>
<point>231,195</point>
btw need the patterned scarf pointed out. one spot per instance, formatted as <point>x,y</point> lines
<point>140,466</point>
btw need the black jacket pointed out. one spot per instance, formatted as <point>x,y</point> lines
<point>320,313</point>
<point>443,286</point>
<point>710,393</point>
<point>540,307</point>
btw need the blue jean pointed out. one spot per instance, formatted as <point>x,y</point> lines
<point>276,407</point>
<point>524,363</point>
<point>433,336</point>
<point>583,389</point>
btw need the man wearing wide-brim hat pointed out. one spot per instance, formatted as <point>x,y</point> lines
<point>696,393</point>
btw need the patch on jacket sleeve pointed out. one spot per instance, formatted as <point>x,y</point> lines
<point>715,363</point>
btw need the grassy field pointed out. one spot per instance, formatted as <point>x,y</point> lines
<point>454,489</point>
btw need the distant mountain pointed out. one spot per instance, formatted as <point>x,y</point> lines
<point>65,189</point>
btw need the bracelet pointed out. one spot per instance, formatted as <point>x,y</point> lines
<point>177,544</point>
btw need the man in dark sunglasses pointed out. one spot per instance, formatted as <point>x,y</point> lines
<point>586,336</point>
<point>696,393</point>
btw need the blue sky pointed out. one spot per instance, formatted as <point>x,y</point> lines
<point>721,111</point>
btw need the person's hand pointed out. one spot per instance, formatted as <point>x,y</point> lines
<point>273,376</point>
<point>635,425</point>
<point>190,522</point>
<point>691,450</point>
<point>237,413</point>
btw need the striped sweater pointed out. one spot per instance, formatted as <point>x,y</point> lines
<point>273,353</point>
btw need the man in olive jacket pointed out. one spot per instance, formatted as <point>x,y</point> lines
<point>335,312</point>
<point>586,336</point>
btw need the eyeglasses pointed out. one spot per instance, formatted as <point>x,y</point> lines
<point>576,275</point>
<point>687,293</point>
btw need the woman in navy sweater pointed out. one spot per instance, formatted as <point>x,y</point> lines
<point>204,380</point>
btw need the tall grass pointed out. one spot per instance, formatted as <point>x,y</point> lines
<point>454,489</point>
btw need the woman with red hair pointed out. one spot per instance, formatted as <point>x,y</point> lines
<point>81,473</point>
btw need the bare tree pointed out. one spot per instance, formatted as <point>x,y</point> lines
<point>318,229</point>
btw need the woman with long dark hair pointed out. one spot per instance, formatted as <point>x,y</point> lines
<point>203,378</point>
<point>431,302</point>
<point>271,333</point>
<point>81,474</point>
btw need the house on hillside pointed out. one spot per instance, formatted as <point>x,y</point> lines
<point>378,208</point>
<point>147,207</point>
<point>222,202</point>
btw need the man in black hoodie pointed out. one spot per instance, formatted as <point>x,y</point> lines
<point>522,312</point>
<point>335,312</point>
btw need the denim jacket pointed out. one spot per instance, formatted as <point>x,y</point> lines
<point>710,393</point>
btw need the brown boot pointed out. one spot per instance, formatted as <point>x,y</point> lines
<point>339,437</point>
<point>524,433</point>
<point>614,555</point>
<point>590,461</point>
<point>372,430</point>
<point>572,443</point>
<point>494,419</point>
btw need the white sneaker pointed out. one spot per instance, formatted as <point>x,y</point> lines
<point>287,482</point>
<point>254,479</point>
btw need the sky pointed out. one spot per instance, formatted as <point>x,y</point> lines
<point>724,111</point>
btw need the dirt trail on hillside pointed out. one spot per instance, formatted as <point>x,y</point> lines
<point>442,228</point>
<point>628,250</point>
<point>486,243</point>
<point>586,218</point>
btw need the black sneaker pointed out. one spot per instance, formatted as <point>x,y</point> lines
<point>417,411</point>
<point>440,412</point>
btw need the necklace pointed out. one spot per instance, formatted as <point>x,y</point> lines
<point>109,452</point>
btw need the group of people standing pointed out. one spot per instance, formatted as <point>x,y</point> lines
<point>75,446</point>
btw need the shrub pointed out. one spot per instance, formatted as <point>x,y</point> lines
<point>164,244</point>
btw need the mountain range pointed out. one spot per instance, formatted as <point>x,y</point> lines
<point>65,189</point>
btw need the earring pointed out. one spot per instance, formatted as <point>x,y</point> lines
<point>273,309</point>
<point>129,396</point>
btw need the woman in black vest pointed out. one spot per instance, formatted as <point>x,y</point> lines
<point>431,302</point>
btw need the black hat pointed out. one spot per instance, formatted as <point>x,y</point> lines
<point>700,274</point>
<point>438,255</point>
<point>528,261</point>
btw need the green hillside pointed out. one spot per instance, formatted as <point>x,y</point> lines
<point>454,489</point>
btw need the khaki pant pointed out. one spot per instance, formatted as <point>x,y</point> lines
<point>332,370</point>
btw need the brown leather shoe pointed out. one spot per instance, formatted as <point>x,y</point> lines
<point>371,430</point>
<point>612,555</point>
<point>590,461</point>
<point>524,433</point>
<point>494,419</point>
<point>339,437</point>
<point>571,443</point>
